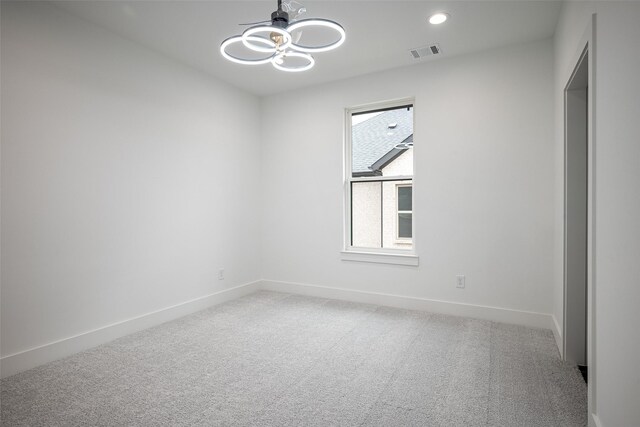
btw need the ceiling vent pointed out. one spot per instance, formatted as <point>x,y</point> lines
<point>424,51</point>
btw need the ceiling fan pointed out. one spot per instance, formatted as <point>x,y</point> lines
<point>275,41</point>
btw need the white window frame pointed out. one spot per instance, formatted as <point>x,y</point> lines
<point>398,212</point>
<point>376,255</point>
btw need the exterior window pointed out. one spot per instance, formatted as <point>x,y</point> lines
<point>379,184</point>
<point>405,212</point>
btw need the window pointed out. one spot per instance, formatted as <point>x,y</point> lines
<point>405,212</point>
<point>379,179</point>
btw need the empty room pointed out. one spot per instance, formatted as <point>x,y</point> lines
<point>320,213</point>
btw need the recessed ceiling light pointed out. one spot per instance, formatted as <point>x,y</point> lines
<point>438,18</point>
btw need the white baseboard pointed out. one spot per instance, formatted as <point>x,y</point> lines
<point>496,314</point>
<point>557,334</point>
<point>596,421</point>
<point>21,361</point>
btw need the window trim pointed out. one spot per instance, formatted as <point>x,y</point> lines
<point>381,258</point>
<point>376,255</point>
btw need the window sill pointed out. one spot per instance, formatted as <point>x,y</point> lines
<point>380,258</point>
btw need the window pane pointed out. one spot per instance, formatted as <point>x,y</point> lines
<point>404,199</point>
<point>366,214</point>
<point>381,143</point>
<point>374,216</point>
<point>381,162</point>
<point>404,225</point>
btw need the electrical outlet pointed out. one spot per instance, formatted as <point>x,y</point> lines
<point>221,274</point>
<point>460,282</point>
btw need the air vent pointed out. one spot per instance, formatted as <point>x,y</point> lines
<point>424,51</point>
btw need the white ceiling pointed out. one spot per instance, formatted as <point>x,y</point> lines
<point>379,33</point>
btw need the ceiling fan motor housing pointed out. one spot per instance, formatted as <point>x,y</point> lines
<point>280,19</point>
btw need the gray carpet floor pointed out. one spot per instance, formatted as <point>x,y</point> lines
<point>274,359</point>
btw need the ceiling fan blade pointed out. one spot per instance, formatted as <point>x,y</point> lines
<point>296,37</point>
<point>294,9</point>
<point>255,23</point>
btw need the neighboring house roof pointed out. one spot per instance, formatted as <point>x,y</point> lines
<point>373,140</point>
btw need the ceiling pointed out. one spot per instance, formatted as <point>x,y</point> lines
<point>379,33</point>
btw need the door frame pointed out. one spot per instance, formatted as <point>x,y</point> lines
<point>576,169</point>
<point>586,45</point>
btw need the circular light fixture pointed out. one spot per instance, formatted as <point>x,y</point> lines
<point>273,33</point>
<point>278,61</point>
<point>237,39</point>
<point>438,18</point>
<point>318,22</point>
<point>276,41</point>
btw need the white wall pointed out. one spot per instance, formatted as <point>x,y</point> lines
<point>127,179</point>
<point>617,199</point>
<point>121,172</point>
<point>484,180</point>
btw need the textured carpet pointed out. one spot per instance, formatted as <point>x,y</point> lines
<point>273,359</point>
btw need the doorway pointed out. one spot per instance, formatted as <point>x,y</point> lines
<point>576,190</point>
